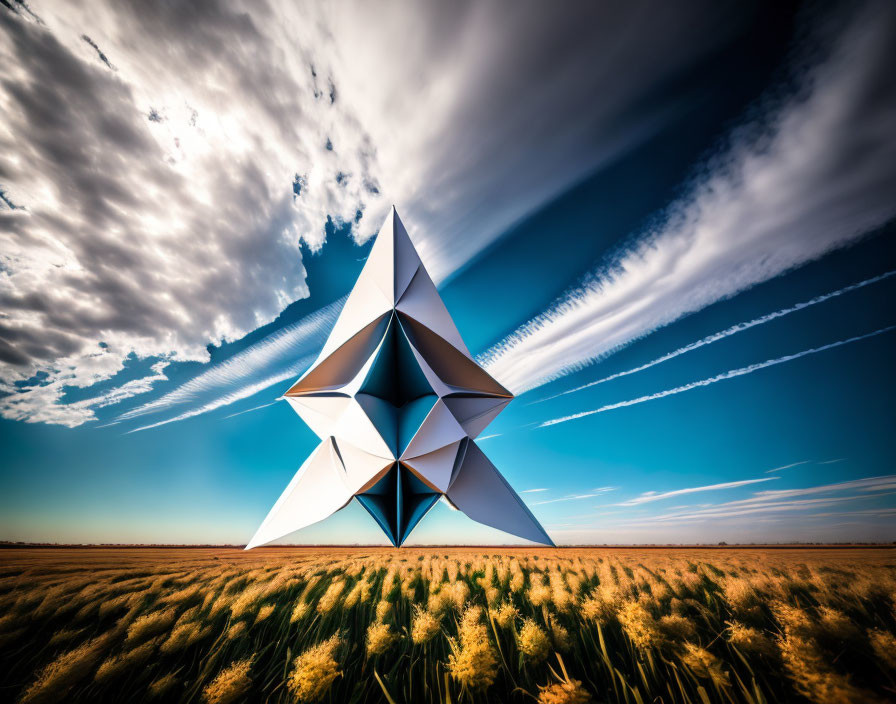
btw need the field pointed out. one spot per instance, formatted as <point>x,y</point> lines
<point>448,625</point>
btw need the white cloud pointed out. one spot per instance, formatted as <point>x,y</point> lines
<point>724,513</point>
<point>786,500</point>
<point>869,484</point>
<point>270,360</point>
<point>531,491</point>
<point>728,332</point>
<point>575,497</point>
<point>812,174</point>
<point>578,497</point>
<point>650,496</point>
<point>153,180</point>
<point>244,391</point>
<point>255,408</point>
<point>786,466</point>
<point>733,373</point>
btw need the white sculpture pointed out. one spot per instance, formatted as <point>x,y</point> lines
<point>397,400</point>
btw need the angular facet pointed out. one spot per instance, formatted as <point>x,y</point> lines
<point>321,412</point>
<point>314,493</point>
<point>474,413</point>
<point>397,502</point>
<point>396,399</point>
<point>479,490</point>
<point>438,429</point>
<point>436,468</point>
<point>421,301</point>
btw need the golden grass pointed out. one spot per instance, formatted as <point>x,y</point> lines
<point>315,670</point>
<point>448,625</point>
<point>231,685</point>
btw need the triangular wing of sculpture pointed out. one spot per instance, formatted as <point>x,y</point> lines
<point>397,401</point>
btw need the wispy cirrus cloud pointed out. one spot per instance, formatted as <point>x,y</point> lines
<point>241,392</point>
<point>650,496</point>
<point>731,374</point>
<point>869,484</point>
<point>784,501</point>
<point>728,332</point>
<point>532,491</point>
<point>812,173</point>
<point>273,359</point>
<point>578,497</point>
<point>249,410</point>
<point>786,466</point>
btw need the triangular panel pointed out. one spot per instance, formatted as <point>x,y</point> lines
<point>337,370</point>
<point>421,301</point>
<point>451,366</point>
<point>393,261</point>
<point>416,499</point>
<point>368,423</point>
<point>474,413</point>
<point>314,493</point>
<point>406,260</point>
<point>438,429</point>
<point>435,468</point>
<point>411,416</point>
<point>361,470</point>
<point>382,502</point>
<point>320,411</point>
<point>484,495</point>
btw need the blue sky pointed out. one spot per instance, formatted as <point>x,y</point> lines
<point>686,272</point>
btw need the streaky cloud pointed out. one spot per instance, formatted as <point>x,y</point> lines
<point>869,484</point>
<point>651,496</point>
<point>786,466</point>
<point>786,500</point>
<point>728,332</point>
<point>810,174</point>
<point>267,358</point>
<point>249,410</point>
<point>237,395</point>
<point>719,377</point>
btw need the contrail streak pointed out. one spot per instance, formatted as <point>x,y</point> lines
<point>238,395</point>
<point>720,377</point>
<point>786,466</point>
<point>733,330</point>
<point>273,353</point>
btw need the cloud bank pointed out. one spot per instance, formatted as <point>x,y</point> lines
<point>156,195</point>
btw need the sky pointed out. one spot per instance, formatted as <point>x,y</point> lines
<point>668,229</point>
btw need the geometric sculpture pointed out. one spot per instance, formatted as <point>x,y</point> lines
<point>397,401</point>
